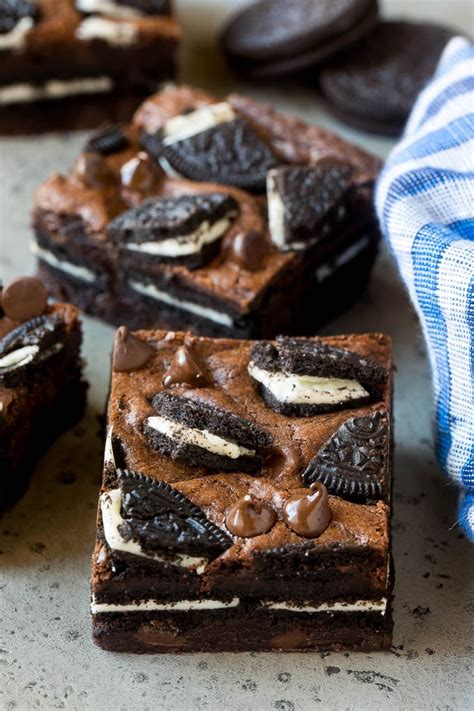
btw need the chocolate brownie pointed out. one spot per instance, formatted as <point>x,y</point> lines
<point>225,218</point>
<point>97,59</point>
<point>268,39</point>
<point>194,555</point>
<point>41,390</point>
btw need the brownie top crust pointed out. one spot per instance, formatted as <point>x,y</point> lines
<point>161,147</point>
<point>289,445</point>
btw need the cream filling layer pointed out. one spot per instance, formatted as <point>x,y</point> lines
<point>107,7</point>
<point>117,34</point>
<point>54,89</point>
<point>15,39</point>
<point>19,357</point>
<point>202,311</point>
<point>110,506</point>
<point>326,270</point>
<point>307,389</point>
<point>74,270</point>
<point>184,245</point>
<point>356,606</point>
<point>200,438</point>
<point>276,213</point>
<point>179,128</point>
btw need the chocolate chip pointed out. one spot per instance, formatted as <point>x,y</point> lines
<point>308,513</point>
<point>184,369</point>
<point>249,517</point>
<point>24,298</point>
<point>107,140</point>
<point>12,11</point>
<point>130,353</point>
<point>93,170</point>
<point>249,249</point>
<point>139,173</point>
<point>353,462</point>
<point>160,517</point>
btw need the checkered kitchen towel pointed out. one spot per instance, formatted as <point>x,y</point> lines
<point>425,202</point>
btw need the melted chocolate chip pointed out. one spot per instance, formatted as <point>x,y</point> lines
<point>184,369</point>
<point>249,517</point>
<point>308,514</point>
<point>249,249</point>
<point>93,170</point>
<point>139,173</point>
<point>24,298</point>
<point>130,353</point>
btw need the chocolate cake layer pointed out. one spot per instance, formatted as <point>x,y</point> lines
<point>182,547</point>
<point>218,273</point>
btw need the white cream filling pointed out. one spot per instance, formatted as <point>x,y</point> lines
<point>110,506</point>
<point>180,127</point>
<point>73,269</point>
<point>184,244</point>
<point>356,606</point>
<point>154,605</point>
<point>307,389</point>
<point>19,357</point>
<point>15,39</point>
<point>107,7</point>
<point>326,270</point>
<point>200,438</point>
<point>117,34</point>
<point>276,212</point>
<point>54,89</point>
<point>203,311</point>
<point>108,449</point>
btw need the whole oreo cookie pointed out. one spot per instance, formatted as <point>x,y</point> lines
<point>107,140</point>
<point>281,36</point>
<point>304,200</point>
<point>160,518</point>
<point>205,436</point>
<point>212,144</point>
<point>303,377</point>
<point>184,229</point>
<point>374,85</point>
<point>28,347</point>
<point>353,463</point>
<point>13,11</point>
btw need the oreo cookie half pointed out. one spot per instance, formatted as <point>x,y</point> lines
<point>14,12</point>
<point>304,201</point>
<point>184,229</point>
<point>149,518</point>
<point>205,436</point>
<point>353,462</point>
<point>212,144</point>
<point>107,140</point>
<point>28,347</point>
<point>302,377</point>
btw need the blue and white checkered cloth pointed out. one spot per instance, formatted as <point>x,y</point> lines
<point>425,202</point>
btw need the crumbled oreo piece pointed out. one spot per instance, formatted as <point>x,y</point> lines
<point>12,11</point>
<point>212,144</point>
<point>28,347</point>
<point>159,518</point>
<point>303,377</point>
<point>204,435</point>
<point>303,201</point>
<point>184,229</point>
<point>353,462</point>
<point>148,7</point>
<point>107,140</point>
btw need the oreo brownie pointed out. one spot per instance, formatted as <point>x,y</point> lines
<point>197,551</point>
<point>98,58</point>
<point>225,218</point>
<point>41,391</point>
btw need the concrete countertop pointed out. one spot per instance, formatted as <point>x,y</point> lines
<point>47,659</point>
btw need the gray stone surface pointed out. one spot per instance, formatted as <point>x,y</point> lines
<point>47,660</point>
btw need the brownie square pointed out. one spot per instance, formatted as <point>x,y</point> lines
<point>97,59</point>
<point>42,393</point>
<point>196,551</point>
<point>200,220</point>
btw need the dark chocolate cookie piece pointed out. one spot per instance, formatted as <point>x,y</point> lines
<point>29,347</point>
<point>353,462</point>
<point>374,85</point>
<point>204,435</point>
<point>212,144</point>
<point>184,229</point>
<point>304,200</point>
<point>107,140</point>
<point>160,518</point>
<point>12,11</point>
<point>285,369</point>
